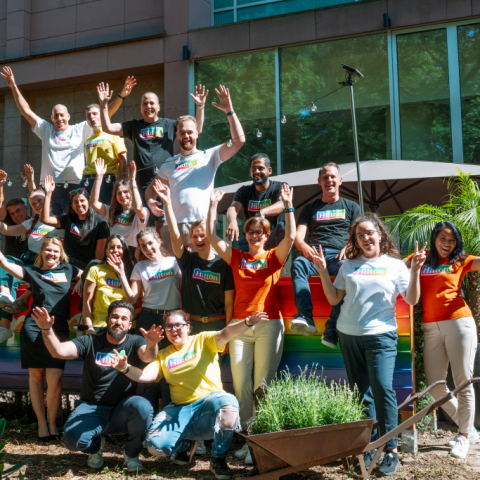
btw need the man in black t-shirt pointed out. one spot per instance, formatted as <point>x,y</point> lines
<point>108,404</point>
<point>261,198</point>
<point>152,136</point>
<point>328,220</point>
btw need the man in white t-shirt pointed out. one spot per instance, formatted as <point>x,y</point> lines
<point>191,173</point>
<point>62,143</point>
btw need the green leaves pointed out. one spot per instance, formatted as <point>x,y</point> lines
<point>4,472</point>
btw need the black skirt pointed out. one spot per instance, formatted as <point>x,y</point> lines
<point>34,353</point>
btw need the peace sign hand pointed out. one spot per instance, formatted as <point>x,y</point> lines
<point>419,257</point>
<point>319,260</point>
<point>215,197</point>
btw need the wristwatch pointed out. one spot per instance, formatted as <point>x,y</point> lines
<point>120,96</point>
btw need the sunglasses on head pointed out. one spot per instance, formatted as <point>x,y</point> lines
<point>83,191</point>
<point>36,190</point>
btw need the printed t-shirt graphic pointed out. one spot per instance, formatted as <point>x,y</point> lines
<point>185,165</point>
<point>206,276</point>
<point>330,215</point>
<point>151,132</point>
<point>428,270</point>
<point>105,359</point>
<point>105,146</point>
<point>257,205</point>
<point>259,264</point>
<point>370,271</point>
<point>128,229</point>
<point>75,230</point>
<point>55,277</point>
<point>38,233</point>
<point>193,372</point>
<point>161,274</point>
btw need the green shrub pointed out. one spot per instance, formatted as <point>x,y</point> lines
<point>305,401</point>
<point>4,472</point>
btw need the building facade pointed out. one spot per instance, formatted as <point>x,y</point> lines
<point>419,98</point>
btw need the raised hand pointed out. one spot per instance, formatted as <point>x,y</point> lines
<point>118,362</point>
<point>130,82</point>
<point>224,99</point>
<point>3,177</point>
<point>215,197</point>
<point>132,171</point>
<point>200,96</point>
<point>49,184</point>
<point>319,260</point>
<point>154,335</point>
<point>100,167</point>
<point>42,318</point>
<point>162,191</point>
<point>116,263</point>
<point>104,94</point>
<point>7,74</point>
<point>287,195</point>
<point>29,172</point>
<point>257,317</point>
<point>419,257</point>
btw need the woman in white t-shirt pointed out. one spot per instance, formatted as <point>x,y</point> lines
<point>369,282</point>
<point>126,214</point>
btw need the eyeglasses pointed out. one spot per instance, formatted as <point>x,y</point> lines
<point>257,233</point>
<point>370,233</point>
<point>174,326</point>
<point>78,190</point>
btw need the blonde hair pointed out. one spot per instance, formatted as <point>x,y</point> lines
<point>139,255</point>
<point>198,223</point>
<point>255,221</point>
<point>48,241</point>
<point>185,118</point>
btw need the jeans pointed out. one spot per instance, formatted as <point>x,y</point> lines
<point>302,270</point>
<point>176,425</point>
<point>455,342</point>
<point>276,236</point>
<point>61,197</point>
<point>370,362</point>
<point>131,415</point>
<point>106,190</point>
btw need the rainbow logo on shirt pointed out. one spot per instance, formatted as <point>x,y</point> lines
<point>160,275</point>
<point>124,221</point>
<point>113,283</point>
<point>428,270</point>
<point>105,359</point>
<point>75,230</point>
<point>370,271</point>
<point>179,361</point>
<point>63,136</point>
<point>151,132</point>
<point>55,277</point>
<point>259,264</point>
<point>330,215</point>
<point>186,165</point>
<point>256,205</point>
<point>39,232</point>
<point>95,143</point>
<point>206,276</point>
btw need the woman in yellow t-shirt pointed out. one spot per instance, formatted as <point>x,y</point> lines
<point>102,285</point>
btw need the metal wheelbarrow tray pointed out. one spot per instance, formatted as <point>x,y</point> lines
<point>280,453</point>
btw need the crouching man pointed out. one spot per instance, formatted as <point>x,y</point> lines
<point>108,404</point>
<point>200,408</point>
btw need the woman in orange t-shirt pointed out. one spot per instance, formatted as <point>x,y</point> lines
<point>449,328</point>
<point>256,274</point>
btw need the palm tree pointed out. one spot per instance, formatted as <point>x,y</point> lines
<point>462,207</point>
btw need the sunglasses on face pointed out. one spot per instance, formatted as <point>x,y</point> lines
<point>83,191</point>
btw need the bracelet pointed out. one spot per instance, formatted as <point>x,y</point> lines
<point>230,113</point>
<point>126,369</point>
<point>201,107</point>
<point>289,210</point>
<point>120,96</point>
<point>46,329</point>
<point>247,324</point>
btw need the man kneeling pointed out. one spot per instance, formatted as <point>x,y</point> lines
<point>200,408</point>
<point>108,404</point>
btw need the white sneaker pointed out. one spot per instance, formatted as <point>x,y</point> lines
<point>242,453</point>
<point>301,327</point>
<point>5,299</point>
<point>133,464</point>
<point>472,438</point>
<point>248,459</point>
<point>5,334</point>
<point>460,448</point>
<point>201,449</point>
<point>95,460</point>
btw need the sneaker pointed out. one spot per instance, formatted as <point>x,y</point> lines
<point>185,457</point>
<point>303,326</point>
<point>95,460</point>
<point>248,458</point>
<point>219,467</point>
<point>389,465</point>
<point>5,334</point>
<point>368,458</point>
<point>201,449</point>
<point>242,453</point>
<point>133,464</point>
<point>330,337</point>
<point>5,299</point>
<point>472,437</point>
<point>460,448</point>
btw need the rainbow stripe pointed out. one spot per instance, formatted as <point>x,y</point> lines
<point>179,361</point>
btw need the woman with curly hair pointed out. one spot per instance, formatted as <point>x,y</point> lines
<point>369,282</point>
<point>449,328</point>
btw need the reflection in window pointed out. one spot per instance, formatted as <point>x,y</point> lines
<point>468,45</point>
<point>424,96</point>
<point>251,80</point>
<point>308,72</point>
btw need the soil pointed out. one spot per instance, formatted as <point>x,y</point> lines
<point>55,462</point>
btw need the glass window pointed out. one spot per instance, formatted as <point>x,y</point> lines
<point>223,17</point>
<point>251,80</point>
<point>468,45</point>
<point>424,96</point>
<point>308,72</point>
<point>222,3</point>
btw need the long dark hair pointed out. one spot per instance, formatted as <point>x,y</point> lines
<point>115,208</point>
<point>457,256</point>
<point>92,220</point>
<point>387,243</point>
<point>126,258</point>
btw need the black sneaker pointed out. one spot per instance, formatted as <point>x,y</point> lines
<point>368,459</point>
<point>330,337</point>
<point>219,467</point>
<point>185,457</point>
<point>389,465</point>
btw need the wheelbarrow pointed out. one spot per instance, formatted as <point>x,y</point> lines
<point>280,453</point>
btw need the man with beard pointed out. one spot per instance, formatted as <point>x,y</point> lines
<point>260,199</point>
<point>191,173</point>
<point>108,404</point>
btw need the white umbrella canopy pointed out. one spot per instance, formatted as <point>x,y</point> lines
<point>389,186</point>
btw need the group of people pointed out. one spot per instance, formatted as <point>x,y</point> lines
<point>195,297</point>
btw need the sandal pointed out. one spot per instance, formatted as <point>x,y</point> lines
<point>18,306</point>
